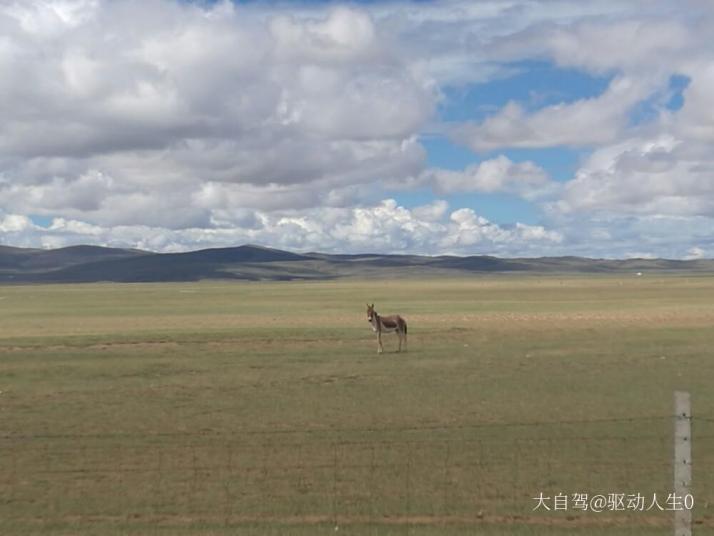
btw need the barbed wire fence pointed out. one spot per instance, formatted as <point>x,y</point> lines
<point>363,478</point>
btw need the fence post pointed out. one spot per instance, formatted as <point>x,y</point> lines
<point>682,460</point>
<point>334,487</point>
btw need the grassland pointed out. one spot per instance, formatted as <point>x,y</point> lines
<point>263,408</point>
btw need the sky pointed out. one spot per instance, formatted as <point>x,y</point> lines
<point>515,128</point>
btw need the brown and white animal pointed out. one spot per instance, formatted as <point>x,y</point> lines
<point>386,324</point>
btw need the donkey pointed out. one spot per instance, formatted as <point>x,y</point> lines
<point>385,324</point>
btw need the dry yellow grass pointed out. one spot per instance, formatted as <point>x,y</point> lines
<point>244,408</point>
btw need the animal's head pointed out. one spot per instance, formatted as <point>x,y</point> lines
<point>370,312</point>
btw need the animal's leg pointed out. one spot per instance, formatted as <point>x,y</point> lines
<point>380,349</point>
<point>399,334</point>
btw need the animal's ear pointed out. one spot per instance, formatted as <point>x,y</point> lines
<point>372,306</point>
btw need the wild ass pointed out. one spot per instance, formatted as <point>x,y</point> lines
<point>386,324</point>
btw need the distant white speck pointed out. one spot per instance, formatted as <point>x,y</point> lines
<point>639,274</point>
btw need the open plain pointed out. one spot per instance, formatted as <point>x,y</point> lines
<point>264,408</point>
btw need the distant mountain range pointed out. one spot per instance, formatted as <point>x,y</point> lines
<point>80,264</point>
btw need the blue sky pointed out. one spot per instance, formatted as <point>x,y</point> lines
<point>512,128</point>
<point>532,84</point>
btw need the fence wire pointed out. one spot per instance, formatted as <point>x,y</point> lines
<point>364,478</point>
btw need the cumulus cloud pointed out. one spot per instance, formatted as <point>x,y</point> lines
<point>638,39</point>
<point>468,229</point>
<point>15,223</point>
<point>585,122</point>
<point>498,174</point>
<point>345,36</point>
<point>384,227</point>
<point>661,176</point>
<point>646,187</point>
<point>109,105</point>
<point>692,122</point>
<point>171,125</point>
<point>644,196</point>
<point>695,253</point>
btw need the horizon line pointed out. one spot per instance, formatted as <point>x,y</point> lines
<point>367,253</point>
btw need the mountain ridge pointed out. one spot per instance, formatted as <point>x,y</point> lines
<point>83,263</point>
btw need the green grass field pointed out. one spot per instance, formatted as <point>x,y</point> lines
<point>263,408</point>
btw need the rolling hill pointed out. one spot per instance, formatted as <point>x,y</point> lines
<point>79,264</point>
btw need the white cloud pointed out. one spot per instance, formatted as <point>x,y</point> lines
<point>694,121</point>
<point>384,227</point>
<point>15,223</point>
<point>695,253</point>
<point>166,100</point>
<point>431,212</point>
<point>171,125</point>
<point>585,122</point>
<point>640,44</point>
<point>498,174</point>
<point>347,34</point>
<point>662,176</point>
